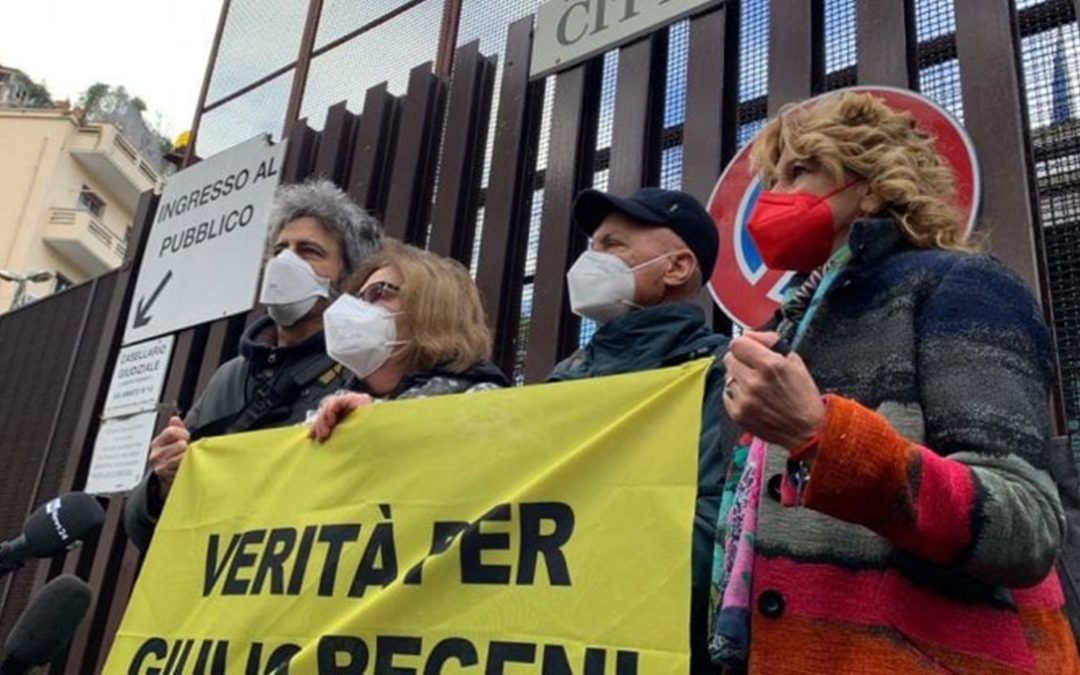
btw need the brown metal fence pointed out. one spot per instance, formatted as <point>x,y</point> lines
<point>56,355</point>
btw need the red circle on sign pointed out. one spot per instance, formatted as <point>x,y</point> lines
<point>749,292</point>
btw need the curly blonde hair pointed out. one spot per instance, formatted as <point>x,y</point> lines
<point>441,307</point>
<point>857,133</point>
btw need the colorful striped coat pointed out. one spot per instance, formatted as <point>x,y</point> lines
<point>924,537</point>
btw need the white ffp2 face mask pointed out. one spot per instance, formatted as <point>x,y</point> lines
<point>601,285</point>
<point>291,288</point>
<point>359,335</point>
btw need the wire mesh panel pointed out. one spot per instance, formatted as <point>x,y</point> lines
<point>588,326</point>
<point>1063,264</point>
<point>1050,54</point>
<point>674,114</point>
<point>541,161</point>
<point>939,70</point>
<point>522,341</point>
<point>338,18</point>
<point>678,55</point>
<point>386,53</point>
<point>601,173</point>
<point>259,37</point>
<point>487,22</point>
<point>840,53</point>
<point>534,233</point>
<point>606,116</point>
<point>671,164</point>
<point>747,130</point>
<point>259,111</point>
<point>753,68</point>
<point>934,19</point>
<point>753,51</point>
<point>527,290</point>
<point>544,139</point>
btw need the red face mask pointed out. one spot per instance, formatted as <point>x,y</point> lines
<point>794,230</point>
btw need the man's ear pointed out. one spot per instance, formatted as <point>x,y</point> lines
<point>680,270</point>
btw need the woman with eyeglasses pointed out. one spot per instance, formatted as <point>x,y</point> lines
<point>409,326</point>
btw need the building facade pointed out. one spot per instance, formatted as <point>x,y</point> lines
<point>68,192</point>
<point>15,87</point>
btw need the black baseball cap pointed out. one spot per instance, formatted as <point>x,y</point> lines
<point>677,211</point>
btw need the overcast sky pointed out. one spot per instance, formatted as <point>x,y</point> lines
<point>156,49</point>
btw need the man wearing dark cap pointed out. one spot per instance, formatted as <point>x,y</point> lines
<point>640,280</point>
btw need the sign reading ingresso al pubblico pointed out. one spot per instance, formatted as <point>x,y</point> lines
<point>570,31</point>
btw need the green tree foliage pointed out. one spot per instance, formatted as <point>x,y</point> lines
<point>90,99</point>
<point>113,104</point>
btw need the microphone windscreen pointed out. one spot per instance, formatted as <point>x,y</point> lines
<point>60,522</point>
<point>46,626</point>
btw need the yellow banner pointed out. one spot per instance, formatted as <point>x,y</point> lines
<point>537,530</point>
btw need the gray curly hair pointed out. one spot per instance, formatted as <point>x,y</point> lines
<point>359,232</point>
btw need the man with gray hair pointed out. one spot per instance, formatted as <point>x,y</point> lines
<point>318,236</point>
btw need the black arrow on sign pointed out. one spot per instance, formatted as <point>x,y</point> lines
<point>142,317</point>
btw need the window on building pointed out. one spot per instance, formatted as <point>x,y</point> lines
<point>90,201</point>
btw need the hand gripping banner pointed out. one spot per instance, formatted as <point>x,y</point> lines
<point>537,530</point>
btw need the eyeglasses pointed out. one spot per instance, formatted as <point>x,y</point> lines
<point>377,291</point>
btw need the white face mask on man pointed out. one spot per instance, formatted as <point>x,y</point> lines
<point>601,285</point>
<point>359,335</point>
<point>290,288</point>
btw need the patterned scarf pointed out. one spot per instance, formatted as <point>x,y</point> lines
<point>796,301</point>
<point>733,550</point>
<point>733,556</point>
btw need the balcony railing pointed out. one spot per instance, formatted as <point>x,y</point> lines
<point>84,240</point>
<point>103,151</point>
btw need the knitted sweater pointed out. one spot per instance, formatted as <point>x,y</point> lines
<point>924,537</point>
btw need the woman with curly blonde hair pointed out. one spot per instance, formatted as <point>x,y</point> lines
<point>857,135</point>
<point>890,508</point>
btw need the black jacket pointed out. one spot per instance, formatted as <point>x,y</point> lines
<point>657,337</point>
<point>264,387</point>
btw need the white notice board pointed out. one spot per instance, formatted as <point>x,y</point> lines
<point>131,409</point>
<point>138,377</point>
<point>120,453</point>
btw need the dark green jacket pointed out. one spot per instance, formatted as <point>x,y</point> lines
<point>235,390</point>
<point>657,337</point>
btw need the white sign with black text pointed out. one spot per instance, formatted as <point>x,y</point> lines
<point>138,377</point>
<point>569,31</point>
<point>206,243</point>
<point>120,452</point>
<point>131,408</point>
